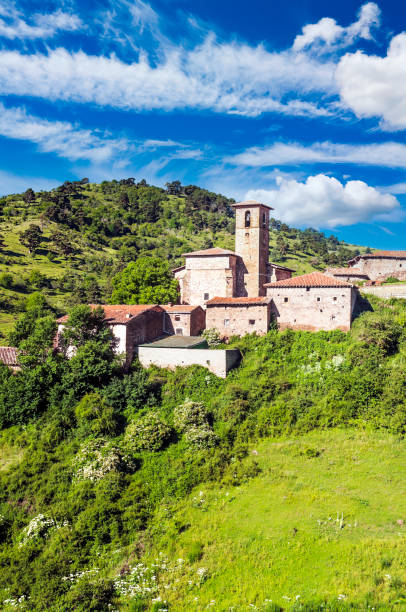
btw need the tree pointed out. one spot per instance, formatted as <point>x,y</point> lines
<point>145,281</point>
<point>174,188</point>
<point>62,243</point>
<point>36,307</point>
<point>31,237</point>
<point>29,196</point>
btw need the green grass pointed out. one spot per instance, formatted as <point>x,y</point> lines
<point>319,522</point>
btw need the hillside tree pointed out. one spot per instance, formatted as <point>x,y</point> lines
<point>145,281</point>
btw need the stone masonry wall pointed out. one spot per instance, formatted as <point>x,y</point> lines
<point>252,244</point>
<point>386,291</point>
<point>313,309</point>
<point>144,328</point>
<point>212,276</point>
<point>185,324</point>
<point>378,268</point>
<point>219,362</point>
<point>237,320</point>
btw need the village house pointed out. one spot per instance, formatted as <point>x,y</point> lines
<point>9,357</point>
<point>312,302</point>
<point>351,275</point>
<point>277,272</point>
<point>380,265</point>
<point>239,315</point>
<point>131,325</point>
<point>184,320</point>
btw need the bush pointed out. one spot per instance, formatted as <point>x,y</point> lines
<point>380,330</point>
<point>212,337</point>
<point>6,280</point>
<point>189,414</point>
<point>94,414</point>
<point>147,433</point>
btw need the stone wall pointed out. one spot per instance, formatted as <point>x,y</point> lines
<point>252,244</point>
<point>386,291</point>
<point>380,268</point>
<point>238,320</point>
<point>146,327</point>
<point>206,277</point>
<point>219,362</point>
<point>185,323</point>
<point>313,308</point>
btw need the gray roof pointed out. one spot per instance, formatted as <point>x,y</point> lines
<point>188,342</point>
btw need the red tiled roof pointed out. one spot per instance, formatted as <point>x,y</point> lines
<point>180,308</point>
<point>314,279</point>
<point>119,313</point>
<point>399,254</point>
<point>9,355</point>
<point>251,203</point>
<point>346,272</point>
<point>239,301</point>
<point>209,252</point>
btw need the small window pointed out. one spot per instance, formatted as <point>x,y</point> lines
<point>286,299</point>
<point>264,220</point>
<point>177,317</point>
<point>248,219</point>
<point>307,288</point>
<point>321,310</point>
<point>318,299</point>
<point>179,331</point>
<point>226,322</point>
<point>400,265</point>
<point>334,299</point>
<point>205,296</point>
<point>251,321</point>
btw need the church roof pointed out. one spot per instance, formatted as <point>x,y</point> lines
<point>251,203</point>
<point>213,252</point>
<point>9,355</point>
<point>120,313</point>
<point>314,279</point>
<point>239,301</point>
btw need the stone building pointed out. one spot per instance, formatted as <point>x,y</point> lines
<point>9,357</point>
<point>237,316</point>
<point>380,265</point>
<point>312,302</point>
<point>184,320</point>
<point>277,272</point>
<point>209,273</point>
<point>131,325</point>
<point>349,274</point>
<point>252,244</point>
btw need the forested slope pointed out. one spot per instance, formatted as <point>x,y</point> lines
<point>70,242</point>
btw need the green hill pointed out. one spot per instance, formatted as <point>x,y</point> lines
<point>278,488</point>
<point>89,232</point>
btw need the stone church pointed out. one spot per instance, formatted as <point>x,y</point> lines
<point>242,291</point>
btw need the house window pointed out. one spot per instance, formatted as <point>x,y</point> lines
<point>318,299</point>
<point>264,220</point>
<point>205,296</point>
<point>177,317</point>
<point>286,299</point>
<point>179,331</point>
<point>307,288</point>
<point>226,322</point>
<point>248,219</point>
<point>334,299</point>
<point>251,321</point>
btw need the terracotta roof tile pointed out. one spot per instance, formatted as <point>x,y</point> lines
<point>314,279</point>
<point>251,203</point>
<point>239,301</point>
<point>180,308</point>
<point>346,272</point>
<point>9,355</point>
<point>209,252</point>
<point>120,313</point>
<point>399,254</point>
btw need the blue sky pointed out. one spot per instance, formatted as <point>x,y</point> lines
<point>300,104</point>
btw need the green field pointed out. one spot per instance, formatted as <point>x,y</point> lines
<point>325,520</point>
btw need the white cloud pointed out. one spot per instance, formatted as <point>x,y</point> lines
<point>60,137</point>
<point>390,154</point>
<point>322,201</point>
<point>12,26</point>
<point>327,30</point>
<point>223,77</point>
<point>373,86</point>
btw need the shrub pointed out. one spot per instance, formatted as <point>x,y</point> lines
<point>93,413</point>
<point>97,458</point>
<point>189,414</point>
<point>212,337</point>
<point>380,330</point>
<point>201,437</point>
<point>6,280</point>
<point>147,433</point>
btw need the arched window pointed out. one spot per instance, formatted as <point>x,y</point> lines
<point>264,220</point>
<point>247,219</point>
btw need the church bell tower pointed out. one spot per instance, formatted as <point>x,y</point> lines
<point>252,243</point>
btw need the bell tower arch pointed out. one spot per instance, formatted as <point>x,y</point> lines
<point>252,243</point>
